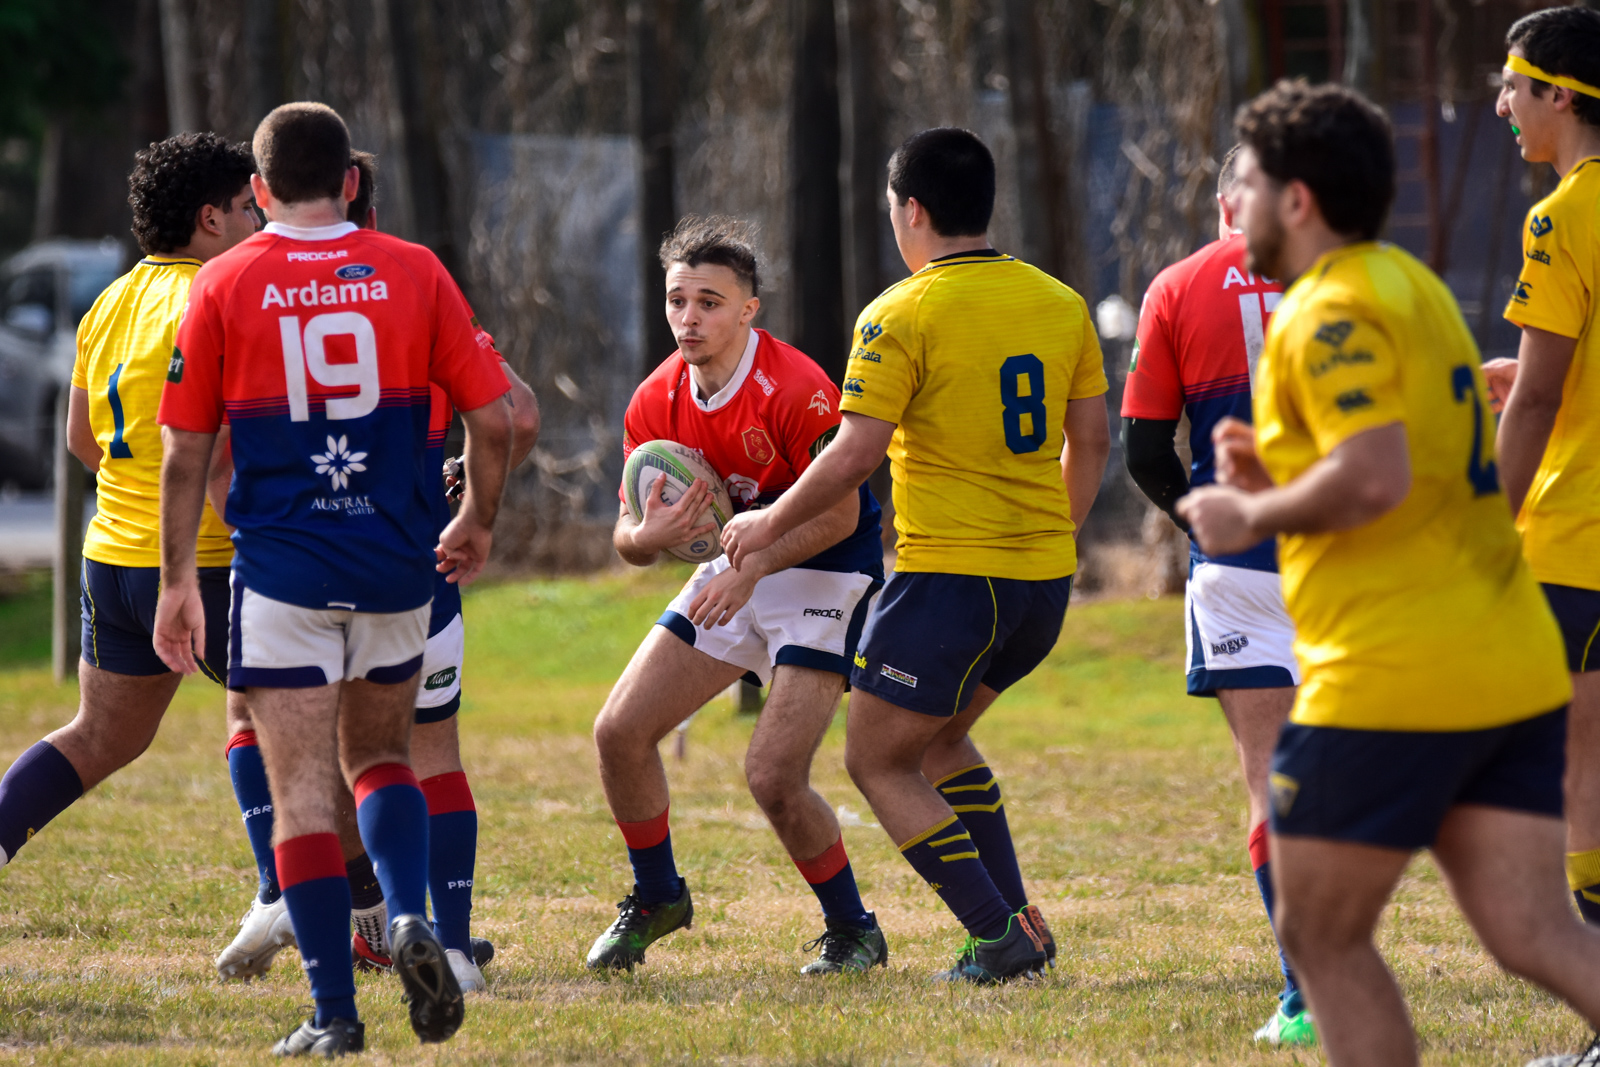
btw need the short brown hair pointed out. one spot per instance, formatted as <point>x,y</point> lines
<point>366,165</point>
<point>721,240</point>
<point>1334,140</point>
<point>302,152</point>
<point>1228,171</point>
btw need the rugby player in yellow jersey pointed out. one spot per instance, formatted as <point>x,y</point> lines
<point>1431,709</point>
<point>981,378</point>
<point>191,201</point>
<point>1549,438</point>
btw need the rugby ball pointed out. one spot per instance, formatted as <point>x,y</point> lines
<point>682,465</point>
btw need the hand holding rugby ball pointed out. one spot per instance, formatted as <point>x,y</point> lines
<point>682,467</point>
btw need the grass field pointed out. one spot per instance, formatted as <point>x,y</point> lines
<point>1123,794</point>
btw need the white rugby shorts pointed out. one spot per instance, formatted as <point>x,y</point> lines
<point>284,646</point>
<point>801,617</point>
<point>1239,634</point>
<point>439,695</point>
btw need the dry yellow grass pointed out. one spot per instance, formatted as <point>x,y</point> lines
<point>1122,792</point>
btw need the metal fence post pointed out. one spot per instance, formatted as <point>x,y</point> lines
<point>66,635</point>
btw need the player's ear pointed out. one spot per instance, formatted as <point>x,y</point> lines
<point>352,182</point>
<point>751,306</point>
<point>206,221</point>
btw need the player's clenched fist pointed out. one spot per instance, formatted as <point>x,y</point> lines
<point>746,534</point>
<point>180,627</point>
<point>1237,462</point>
<point>1501,374</point>
<point>1220,517</point>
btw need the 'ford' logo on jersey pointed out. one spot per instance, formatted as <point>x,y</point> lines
<point>354,272</point>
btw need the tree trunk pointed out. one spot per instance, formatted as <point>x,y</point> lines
<point>1038,179</point>
<point>864,204</point>
<point>263,56</point>
<point>815,212</point>
<point>652,92</point>
<point>177,42</point>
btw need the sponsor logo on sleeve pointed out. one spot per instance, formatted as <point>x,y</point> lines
<point>175,365</point>
<point>895,675</point>
<point>822,442</point>
<point>1133,363</point>
<point>766,384</point>
<point>1339,359</point>
<point>1523,292</point>
<point>1352,401</point>
<point>854,387</point>
<point>758,446</point>
<point>870,332</point>
<point>1334,334</point>
<point>354,272</point>
<point>1539,225</point>
<point>1539,256</point>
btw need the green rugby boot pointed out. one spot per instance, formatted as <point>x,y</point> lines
<point>637,927</point>
<point>1288,1031</point>
<point>1018,954</point>
<point>846,947</point>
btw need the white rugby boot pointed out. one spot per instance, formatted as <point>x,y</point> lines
<point>264,931</point>
<point>468,973</point>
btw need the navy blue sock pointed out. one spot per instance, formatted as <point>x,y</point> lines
<point>393,817</point>
<point>834,883</point>
<point>974,794</point>
<point>1294,1002</point>
<point>650,851</point>
<point>38,787</point>
<point>365,892</point>
<point>452,853</point>
<point>250,788</point>
<point>945,857</point>
<point>311,872</point>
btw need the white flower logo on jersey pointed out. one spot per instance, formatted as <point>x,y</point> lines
<point>340,462</point>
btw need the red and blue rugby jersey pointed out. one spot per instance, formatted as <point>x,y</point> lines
<point>1201,329</point>
<point>320,344</point>
<point>760,433</point>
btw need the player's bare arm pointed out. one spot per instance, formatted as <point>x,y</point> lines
<point>1362,479</point>
<point>729,591</point>
<point>1084,453</point>
<point>180,625</point>
<point>464,544</point>
<point>1531,408</point>
<point>1238,464</point>
<point>525,420</point>
<point>220,477</point>
<point>838,472</point>
<point>1500,375</point>
<point>664,525</point>
<point>80,434</point>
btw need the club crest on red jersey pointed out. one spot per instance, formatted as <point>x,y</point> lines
<point>758,446</point>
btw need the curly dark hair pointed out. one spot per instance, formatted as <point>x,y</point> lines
<point>717,239</point>
<point>173,179</point>
<point>1334,140</point>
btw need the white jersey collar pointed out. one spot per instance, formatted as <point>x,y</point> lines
<point>310,233</point>
<point>721,397</point>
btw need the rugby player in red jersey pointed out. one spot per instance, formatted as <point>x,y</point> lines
<point>759,412</point>
<point>320,340</point>
<point>1201,330</point>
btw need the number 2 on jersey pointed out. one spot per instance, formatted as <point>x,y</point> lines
<point>1485,477</point>
<point>1023,438</point>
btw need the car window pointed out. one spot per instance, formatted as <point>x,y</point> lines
<point>84,285</point>
<point>28,302</point>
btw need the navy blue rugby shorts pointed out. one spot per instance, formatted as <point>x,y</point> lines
<point>1393,788</point>
<point>1577,611</point>
<point>118,605</point>
<point>934,638</point>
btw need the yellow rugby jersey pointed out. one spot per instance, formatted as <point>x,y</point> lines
<point>974,358</point>
<point>1560,519</point>
<point>1427,618</point>
<point>124,347</point>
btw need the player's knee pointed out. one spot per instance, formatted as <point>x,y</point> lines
<point>772,787</point>
<point>613,736</point>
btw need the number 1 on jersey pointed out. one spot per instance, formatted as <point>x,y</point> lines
<point>1023,414</point>
<point>119,447</point>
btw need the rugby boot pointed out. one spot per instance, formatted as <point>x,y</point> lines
<point>264,931</point>
<point>1045,936</point>
<point>339,1037</point>
<point>1017,954</point>
<point>468,975</point>
<point>1284,1030</point>
<point>431,990</point>
<point>482,951</point>
<point>1589,1057</point>
<point>636,928</point>
<point>847,947</point>
<point>364,958</point>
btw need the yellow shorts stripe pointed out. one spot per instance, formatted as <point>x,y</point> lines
<point>994,628</point>
<point>1583,664</point>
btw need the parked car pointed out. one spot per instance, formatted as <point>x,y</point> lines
<point>44,290</point>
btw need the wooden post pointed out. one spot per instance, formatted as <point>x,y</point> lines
<point>263,50</point>
<point>864,203</point>
<point>651,91</point>
<point>1038,180</point>
<point>816,214</point>
<point>177,49</point>
<point>66,635</point>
